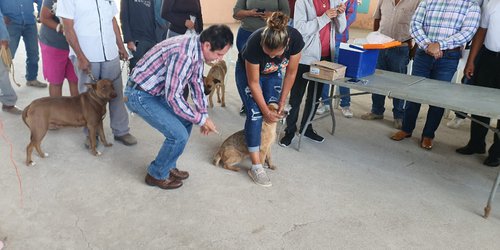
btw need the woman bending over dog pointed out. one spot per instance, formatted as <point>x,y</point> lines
<point>268,52</point>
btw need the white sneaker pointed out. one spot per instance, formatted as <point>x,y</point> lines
<point>455,123</point>
<point>346,111</point>
<point>323,109</point>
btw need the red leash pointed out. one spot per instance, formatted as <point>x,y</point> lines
<point>12,160</point>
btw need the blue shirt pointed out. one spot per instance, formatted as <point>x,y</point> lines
<point>4,34</point>
<point>19,11</point>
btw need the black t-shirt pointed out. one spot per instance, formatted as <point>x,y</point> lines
<point>252,51</point>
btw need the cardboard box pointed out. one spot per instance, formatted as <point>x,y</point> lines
<point>359,62</point>
<point>327,70</point>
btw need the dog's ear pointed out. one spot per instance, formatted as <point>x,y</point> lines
<point>91,85</point>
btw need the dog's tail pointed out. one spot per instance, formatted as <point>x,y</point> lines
<point>217,158</point>
<point>25,115</point>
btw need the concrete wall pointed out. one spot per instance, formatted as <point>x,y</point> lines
<point>217,11</point>
<point>221,11</point>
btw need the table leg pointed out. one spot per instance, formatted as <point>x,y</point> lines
<point>310,114</point>
<point>487,209</point>
<point>332,100</point>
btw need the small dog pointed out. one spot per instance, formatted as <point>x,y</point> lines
<point>215,82</point>
<point>234,149</point>
<point>87,109</point>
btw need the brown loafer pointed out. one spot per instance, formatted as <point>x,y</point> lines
<point>426,143</point>
<point>169,183</point>
<point>179,174</point>
<point>400,135</point>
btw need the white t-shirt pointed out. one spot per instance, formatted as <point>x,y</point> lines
<point>491,20</point>
<point>93,24</point>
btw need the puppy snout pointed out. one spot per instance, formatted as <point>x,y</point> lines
<point>112,95</point>
<point>207,90</point>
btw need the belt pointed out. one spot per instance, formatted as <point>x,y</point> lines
<point>134,85</point>
<point>454,49</point>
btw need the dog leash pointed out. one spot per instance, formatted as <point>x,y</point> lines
<point>6,56</point>
<point>126,62</point>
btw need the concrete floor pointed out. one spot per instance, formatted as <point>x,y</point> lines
<point>357,190</point>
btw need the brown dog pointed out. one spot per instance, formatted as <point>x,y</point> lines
<point>234,149</point>
<point>87,109</point>
<point>215,82</point>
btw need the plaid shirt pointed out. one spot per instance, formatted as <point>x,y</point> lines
<point>167,68</point>
<point>451,23</point>
<point>350,15</point>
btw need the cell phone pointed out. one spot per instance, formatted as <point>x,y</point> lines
<point>260,10</point>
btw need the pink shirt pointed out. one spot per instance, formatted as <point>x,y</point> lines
<point>324,34</point>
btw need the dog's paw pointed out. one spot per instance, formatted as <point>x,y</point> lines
<point>96,153</point>
<point>272,167</point>
<point>223,105</point>
<point>108,144</point>
<point>45,155</point>
<point>31,164</point>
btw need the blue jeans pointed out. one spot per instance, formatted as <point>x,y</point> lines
<point>345,100</point>
<point>395,60</point>
<point>441,69</point>
<point>271,90</point>
<point>30,38</point>
<point>156,111</point>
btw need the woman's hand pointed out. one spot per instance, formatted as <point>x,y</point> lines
<point>189,24</point>
<point>341,8</point>
<point>331,13</point>
<point>271,116</point>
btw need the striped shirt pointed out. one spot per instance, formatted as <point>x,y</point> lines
<point>451,23</point>
<point>167,68</point>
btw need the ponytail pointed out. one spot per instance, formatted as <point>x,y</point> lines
<point>275,35</point>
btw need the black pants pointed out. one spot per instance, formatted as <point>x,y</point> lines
<point>486,74</point>
<point>296,95</point>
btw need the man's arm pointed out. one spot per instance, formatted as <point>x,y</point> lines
<point>119,42</point>
<point>477,43</point>
<point>69,30</point>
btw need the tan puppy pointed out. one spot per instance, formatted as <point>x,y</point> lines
<point>215,82</point>
<point>87,109</point>
<point>234,149</point>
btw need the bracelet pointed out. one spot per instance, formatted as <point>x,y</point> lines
<point>58,28</point>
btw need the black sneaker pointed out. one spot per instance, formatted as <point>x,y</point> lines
<point>243,110</point>
<point>311,134</point>
<point>286,140</point>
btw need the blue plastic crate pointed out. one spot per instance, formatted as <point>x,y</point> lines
<point>359,62</point>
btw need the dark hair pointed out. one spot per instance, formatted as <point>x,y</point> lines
<point>275,35</point>
<point>218,35</point>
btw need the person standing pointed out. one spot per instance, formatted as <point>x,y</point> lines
<point>392,18</point>
<point>252,15</point>
<point>55,52</point>
<point>155,92</point>
<point>267,52</point>
<point>161,24</point>
<point>96,49</point>
<point>8,96</point>
<point>440,28</point>
<point>318,21</point>
<point>138,27</point>
<point>184,16</point>
<point>21,22</point>
<point>485,72</point>
<point>345,99</point>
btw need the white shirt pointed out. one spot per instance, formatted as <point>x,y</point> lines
<point>93,24</point>
<point>491,20</point>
